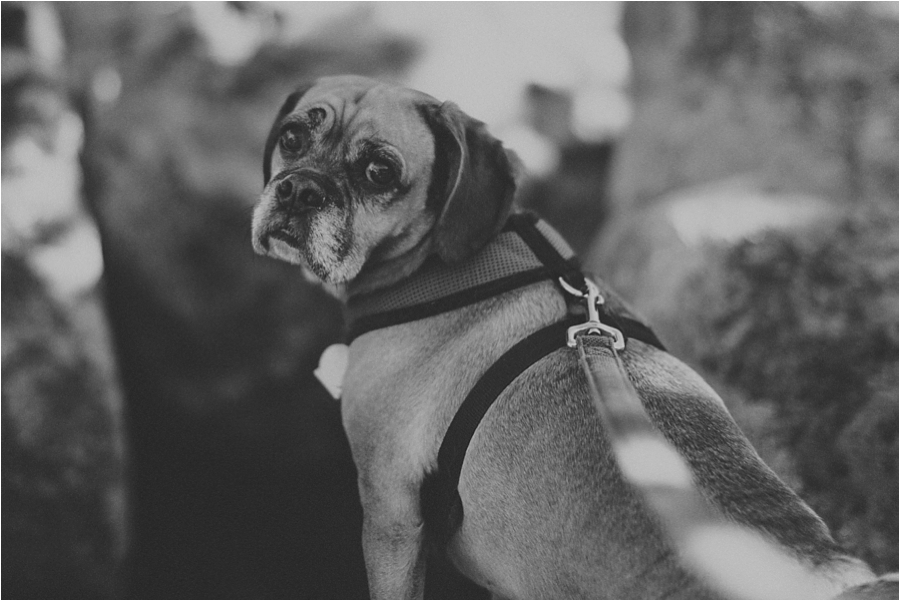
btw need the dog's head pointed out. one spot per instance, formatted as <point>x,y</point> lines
<point>361,176</point>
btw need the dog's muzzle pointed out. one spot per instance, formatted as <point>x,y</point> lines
<point>287,203</point>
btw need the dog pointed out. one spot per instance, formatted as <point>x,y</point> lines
<point>367,184</point>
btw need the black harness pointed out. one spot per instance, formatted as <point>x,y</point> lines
<point>441,503</point>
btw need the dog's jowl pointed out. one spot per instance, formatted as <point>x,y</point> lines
<point>403,207</point>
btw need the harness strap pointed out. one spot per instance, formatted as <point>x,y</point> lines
<point>526,252</point>
<point>526,225</point>
<point>367,323</point>
<point>440,502</point>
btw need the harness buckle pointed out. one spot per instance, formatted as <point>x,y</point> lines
<point>593,299</point>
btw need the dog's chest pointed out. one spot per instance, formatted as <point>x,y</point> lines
<point>396,386</point>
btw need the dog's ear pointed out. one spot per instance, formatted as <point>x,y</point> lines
<point>289,104</point>
<point>472,182</point>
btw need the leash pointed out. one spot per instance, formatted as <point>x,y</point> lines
<point>644,456</point>
<point>728,556</point>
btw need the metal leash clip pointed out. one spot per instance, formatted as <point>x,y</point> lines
<point>593,300</point>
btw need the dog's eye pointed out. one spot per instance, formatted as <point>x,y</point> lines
<point>380,173</point>
<point>291,140</point>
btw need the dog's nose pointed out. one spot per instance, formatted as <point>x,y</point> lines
<point>284,190</point>
<point>297,195</point>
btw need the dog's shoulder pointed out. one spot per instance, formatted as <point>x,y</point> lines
<point>407,381</point>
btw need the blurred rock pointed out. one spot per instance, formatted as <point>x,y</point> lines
<point>808,322</point>
<point>647,253</point>
<point>754,222</point>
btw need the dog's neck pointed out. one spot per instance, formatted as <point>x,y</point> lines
<point>508,262</point>
<point>378,273</point>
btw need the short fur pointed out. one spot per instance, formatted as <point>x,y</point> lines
<point>546,511</point>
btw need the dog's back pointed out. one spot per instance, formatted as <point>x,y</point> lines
<point>542,451</point>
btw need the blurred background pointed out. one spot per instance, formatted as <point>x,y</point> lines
<point>732,168</point>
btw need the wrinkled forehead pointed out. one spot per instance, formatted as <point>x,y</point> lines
<point>361,109</point>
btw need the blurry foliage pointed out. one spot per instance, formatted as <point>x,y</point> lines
<point>807,324</point>
<point>62,478</point>
<point>836,67</point>
<point>573,199</point>
<point>805,97</point>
